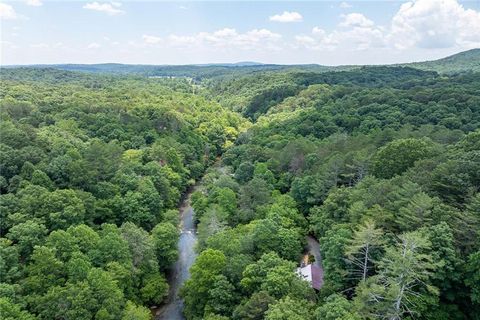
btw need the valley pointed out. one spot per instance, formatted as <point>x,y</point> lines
<point>193,192</point>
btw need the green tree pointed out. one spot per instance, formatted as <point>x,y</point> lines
<point>135,312</point>
<point>222,297</point>
<point>73,301</point>
<point>155,289</point>
<point>333,246</point>
<point>289,309</point>
<point>255,307</point>
<point>366,239</point>
<point>336,307</point>
<point>12,311</point>
<point>104,289</point>
<point>406,269</point>
<point>473,276</point>
<point>27,235</point>
<point>399,155</point>
<point>165,237</point>
<point>208,265</point>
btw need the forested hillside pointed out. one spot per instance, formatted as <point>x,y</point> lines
<point>92,171</point>
<point>380,164</point>
<point>467,61</point>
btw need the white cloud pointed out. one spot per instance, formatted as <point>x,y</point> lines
<point>421,24</point>
<point>111,8</point>
<point>34,3</point>
<point>357,32</point>
<point>318,39</point>
<point>356,20</point>
<point>7,12</point>
<point>226,38</point>
<point>287,16</point>
<point>93,45</point>
<point>435,24</point>
<point>345,5</point>
<point>151,39</point>
<point>176,40</point>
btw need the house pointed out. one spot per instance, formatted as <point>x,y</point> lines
<point>313,274</point>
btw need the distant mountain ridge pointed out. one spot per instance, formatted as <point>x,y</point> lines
<point>467,61</point>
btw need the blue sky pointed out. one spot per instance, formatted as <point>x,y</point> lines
<point>159,32</point>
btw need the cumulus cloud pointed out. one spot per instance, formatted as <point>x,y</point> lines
<point>7,12</point>
<point>287,16</point>
<point>34,3</point>
<point>345,5</point>
<point>428,24</point>
<point>356,32</point>
<point>356,20</point>
<point>435,24</point>
<point>112,8</point>
<point>225,38</point>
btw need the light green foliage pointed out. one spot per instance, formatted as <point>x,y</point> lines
<point>93,167</point>
<point>261,171</point>
<point>276,277</point>
<point>213,221</point>
<point>12,311</point>
<point>289,309</point>
<point>405,270</point>
<point>366,239</point>
<point>225,198</point>
<point>135,312</point>
<point>208,265</point>
<point>199,203</point>
<point>154,290</point>
<point>336,307</point>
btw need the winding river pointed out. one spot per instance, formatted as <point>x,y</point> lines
<point>173,308</point>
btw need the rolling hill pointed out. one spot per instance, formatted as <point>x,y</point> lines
<point>466,61</point>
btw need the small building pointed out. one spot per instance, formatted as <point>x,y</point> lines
<point>313,274</point>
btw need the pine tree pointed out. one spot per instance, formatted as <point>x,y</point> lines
<point>366,238</point>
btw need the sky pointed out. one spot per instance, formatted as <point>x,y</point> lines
<point>282,32</point>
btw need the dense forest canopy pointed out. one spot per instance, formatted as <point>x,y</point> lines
<point>380,164</point>
<point>92,170</point>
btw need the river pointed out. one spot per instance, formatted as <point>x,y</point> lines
<point>173,308</point>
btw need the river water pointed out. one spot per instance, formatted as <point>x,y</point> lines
<point>173,308</point>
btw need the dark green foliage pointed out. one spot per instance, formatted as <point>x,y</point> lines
<point>92,170</point>
<point>399,155</point>
<point>381,164</point>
